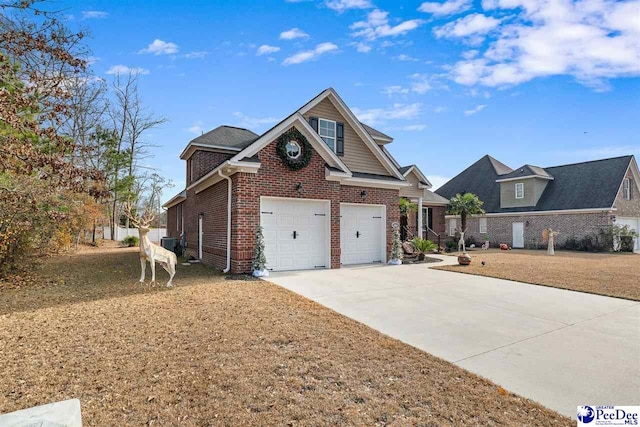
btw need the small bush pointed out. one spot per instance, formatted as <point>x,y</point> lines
<point>130,241</point>
<point>451,245</point>
<point>571,244</point>
<point>470,241</point>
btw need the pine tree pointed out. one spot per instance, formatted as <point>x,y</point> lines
<point>259,258</point>
<point>396,249</point>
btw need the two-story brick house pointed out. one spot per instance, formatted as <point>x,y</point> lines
<point>576,199</point>
<point>323,186</point>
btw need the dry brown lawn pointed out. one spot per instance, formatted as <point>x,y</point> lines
<point>214,351</point>
<point>610,274</point>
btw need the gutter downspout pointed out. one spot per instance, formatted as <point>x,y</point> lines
<point>226,270</point>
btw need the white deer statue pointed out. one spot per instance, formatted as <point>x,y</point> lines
<point>149,251</point>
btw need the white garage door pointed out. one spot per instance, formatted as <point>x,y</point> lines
<point>633,223</point>
<point>296,233</point>
<point>362,234</point>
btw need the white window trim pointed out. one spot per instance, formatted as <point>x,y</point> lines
<point>626,188</point>
<point>483,226</point>
<point>452,227</point>
<point>335,133</point>
<point>521,184</point>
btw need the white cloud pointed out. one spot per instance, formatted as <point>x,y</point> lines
<point>413,128</point>
<point>265,49</point>
<point>309,55</point>
<point>470,54</point>
<point>294,33</point>
<point>123,69</point>
<point>372,116</point>
<point>470,25</point>
<point>448,7</point>
<point>395,90</point>
<point>342,5</point>
<point>198,54</point>
<point>377,25</point>
<point>475,110</point>
<point>420,84</point>
<point>362,47</point>
<point>437,181</point>
<point>405,58</point>
<point>253,122</point>
<point>440,109</point>
<point>196,128</point>
<point>592,41</point>
<point>160,47</point>
<point>94,14</point>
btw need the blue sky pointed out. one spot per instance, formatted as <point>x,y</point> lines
<point>527,81</point>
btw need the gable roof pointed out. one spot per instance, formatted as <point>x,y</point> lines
<point>357,127</point>
<point>586,185</point>
<point>223,137</point>
<point>526,171</point>
<point>479,179</point>
<point>406,170</point>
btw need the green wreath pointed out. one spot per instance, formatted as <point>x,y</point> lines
<point>305,152</point>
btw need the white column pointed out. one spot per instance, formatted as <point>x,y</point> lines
<point>420,232</point>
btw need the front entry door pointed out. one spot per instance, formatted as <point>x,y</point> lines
<point>518,235</point>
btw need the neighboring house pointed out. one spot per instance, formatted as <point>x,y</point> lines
<point>321,184</point>
<point>576,199</point>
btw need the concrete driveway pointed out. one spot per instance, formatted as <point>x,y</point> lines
<point>560,348</point>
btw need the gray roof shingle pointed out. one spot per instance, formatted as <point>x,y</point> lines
<point>586,185</point>
<point>375,133</point>
<point>227,136</point>
<point>526,171</point>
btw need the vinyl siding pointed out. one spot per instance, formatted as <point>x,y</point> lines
<point>412,191</point>
<point>533,188</point>
<point>357,155</point>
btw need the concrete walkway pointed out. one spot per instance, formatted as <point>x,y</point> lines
<point>558,347</point>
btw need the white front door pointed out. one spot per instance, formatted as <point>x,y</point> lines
<point>362,234</point>
<point>296,233</point>
<point>518,235</point>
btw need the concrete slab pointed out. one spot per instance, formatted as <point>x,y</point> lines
<point>559,347</point>
<point>59,414</point>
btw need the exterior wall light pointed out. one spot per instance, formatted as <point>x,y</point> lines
<point>299,187</point>
<point>363,194</point>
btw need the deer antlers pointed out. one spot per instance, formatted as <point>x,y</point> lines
<point>146,219</point>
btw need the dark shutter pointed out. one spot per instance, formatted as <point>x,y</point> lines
<point>313,121</point>
<point>340,139</point>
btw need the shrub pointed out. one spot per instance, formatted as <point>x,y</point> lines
<point>130,241</point>
<point>451,245</point>
<point>571,244</point>
<point>470,241</point>
<point>423,246</point>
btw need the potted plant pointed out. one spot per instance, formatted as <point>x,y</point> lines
<point>259,258</point>
<point>423,246</point>
<point>396,249</point>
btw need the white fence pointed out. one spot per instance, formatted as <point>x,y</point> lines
<point>155,234</point>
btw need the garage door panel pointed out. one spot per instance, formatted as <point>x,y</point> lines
<point>362,237</point>
<point>308,219</point>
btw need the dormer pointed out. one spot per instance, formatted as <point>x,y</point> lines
<point>523,187</point>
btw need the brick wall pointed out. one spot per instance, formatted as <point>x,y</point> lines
<point>499,229</point>
<point>172,214</point>
<point>629,208</point>
<point>203,162</point>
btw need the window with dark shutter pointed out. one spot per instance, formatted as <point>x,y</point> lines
<point>313,121</point>
<point>340,139</point>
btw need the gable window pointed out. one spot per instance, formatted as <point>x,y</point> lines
<point>327,131</point>
<point>519,190</point>
<point>483,225</point>
<point>626,188</point>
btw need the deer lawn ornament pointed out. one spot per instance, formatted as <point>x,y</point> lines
<point>548,235</point>
<point>149,251</point>
<point>462,247</point>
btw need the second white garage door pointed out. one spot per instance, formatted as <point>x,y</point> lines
<point>296,233</point>
<point>362,234</point>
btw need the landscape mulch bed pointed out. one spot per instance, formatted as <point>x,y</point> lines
<point>222,352</point>
<point>609,274</point>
